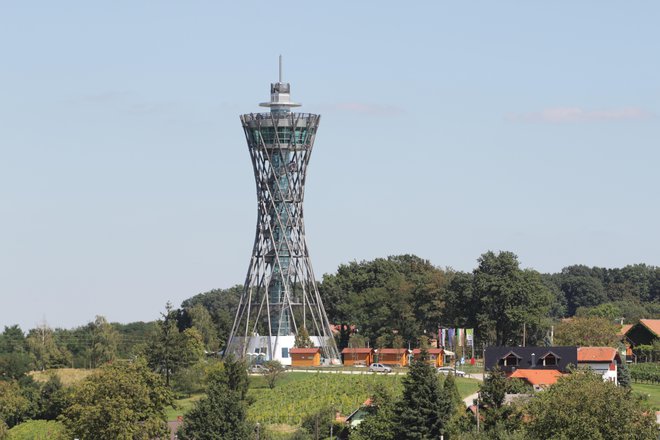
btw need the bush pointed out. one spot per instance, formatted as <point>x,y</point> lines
<point>37,430</point>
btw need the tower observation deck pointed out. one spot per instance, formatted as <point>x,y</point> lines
<point>281,296</point>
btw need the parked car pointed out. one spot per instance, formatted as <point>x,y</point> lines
<point>258,369</point>
<point>447,370</point>
<point>379,368</point>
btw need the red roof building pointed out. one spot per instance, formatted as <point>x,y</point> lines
<point>602,360</point>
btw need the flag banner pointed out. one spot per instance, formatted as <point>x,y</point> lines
<point>443,337</point>
<point>469,337</point>
<point>459,332</point>
<point>450,337</point>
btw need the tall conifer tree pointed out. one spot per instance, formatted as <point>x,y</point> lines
<point>425,408</point>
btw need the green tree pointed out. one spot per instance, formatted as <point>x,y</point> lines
<point>379,422</point>
<point>43,347</point>
<point>14,406</point>
<point>582,288</point>
<point>424,409</point>
<point>14,365</point>
<point>582,405</point>
<point>222,305</point>
<point>122,401</point>
<point>104,340</point>
<point>587,331</point>
<point>52,398</point>
<point>171,350</point>
<point>202,321</point>
<point>401,293</point>
<point>274,371</point>
<point>302,339</point>
<point>609,311</point>
<point>510,298</point>
<point>499,420</point>
<point>623,376</point>
<point>318,424</point>
<point>221,415</point>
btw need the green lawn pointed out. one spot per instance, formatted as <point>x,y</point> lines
<point>182,406</point>
<point>651,393</point>
<point>467,386</point>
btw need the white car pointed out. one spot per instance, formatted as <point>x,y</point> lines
<point>379,368</point>
<point>447,370</point>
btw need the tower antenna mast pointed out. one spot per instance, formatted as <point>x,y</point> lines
<point>280,69</point>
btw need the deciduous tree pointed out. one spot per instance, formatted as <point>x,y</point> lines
<point>587,331</point>
<point>13,404</point>
<point>169,349</point>
<point>104,340</point>
<point>122,401</point>
<point>509,299</point>
<point>582,405</point>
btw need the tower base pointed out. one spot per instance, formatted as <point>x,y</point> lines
<point>265,348</point>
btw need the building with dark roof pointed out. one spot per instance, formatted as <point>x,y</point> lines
<point>510,359</point>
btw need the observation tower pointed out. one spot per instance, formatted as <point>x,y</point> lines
<point>281,296</point>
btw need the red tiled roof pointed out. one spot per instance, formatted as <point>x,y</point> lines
<point>392,350</point>
<point>538,377</point>
<point>624,329</point>
<point>357,350</point>
<point>429,350</point>
<point>651,324</point>
<point>596,354</point>
<point>312,350</point>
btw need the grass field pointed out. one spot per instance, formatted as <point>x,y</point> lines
<point>182,406</point>
<point>68,376</point>
<point>651,393</point>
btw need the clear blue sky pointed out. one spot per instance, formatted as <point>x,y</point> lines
<point>447,130</point>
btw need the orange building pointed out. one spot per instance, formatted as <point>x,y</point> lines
<point>357,356</point>
<point>305,357</point>
<point>393,356</point>
<point>436,356</point>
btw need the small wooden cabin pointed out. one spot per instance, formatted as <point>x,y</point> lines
<point>357,356</point>
<point>436,356</point>
<point>305,357</point>
<point>393,356</point>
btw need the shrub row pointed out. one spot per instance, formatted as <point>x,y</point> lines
<point>645,372</point>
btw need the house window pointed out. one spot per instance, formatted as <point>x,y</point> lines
<point>510,360</point>
<point>285,352</point>
<point>549,359</point>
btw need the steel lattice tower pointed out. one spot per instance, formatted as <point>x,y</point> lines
<point>281,296</point>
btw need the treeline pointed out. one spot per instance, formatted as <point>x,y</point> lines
<point>391,301</point>
<point>402,297</point>
<point>179,357</point>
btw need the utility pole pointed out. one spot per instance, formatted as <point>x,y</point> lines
<point>477,413</point>
<point>524,333</point>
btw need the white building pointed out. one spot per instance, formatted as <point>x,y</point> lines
<point>602,360</point>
